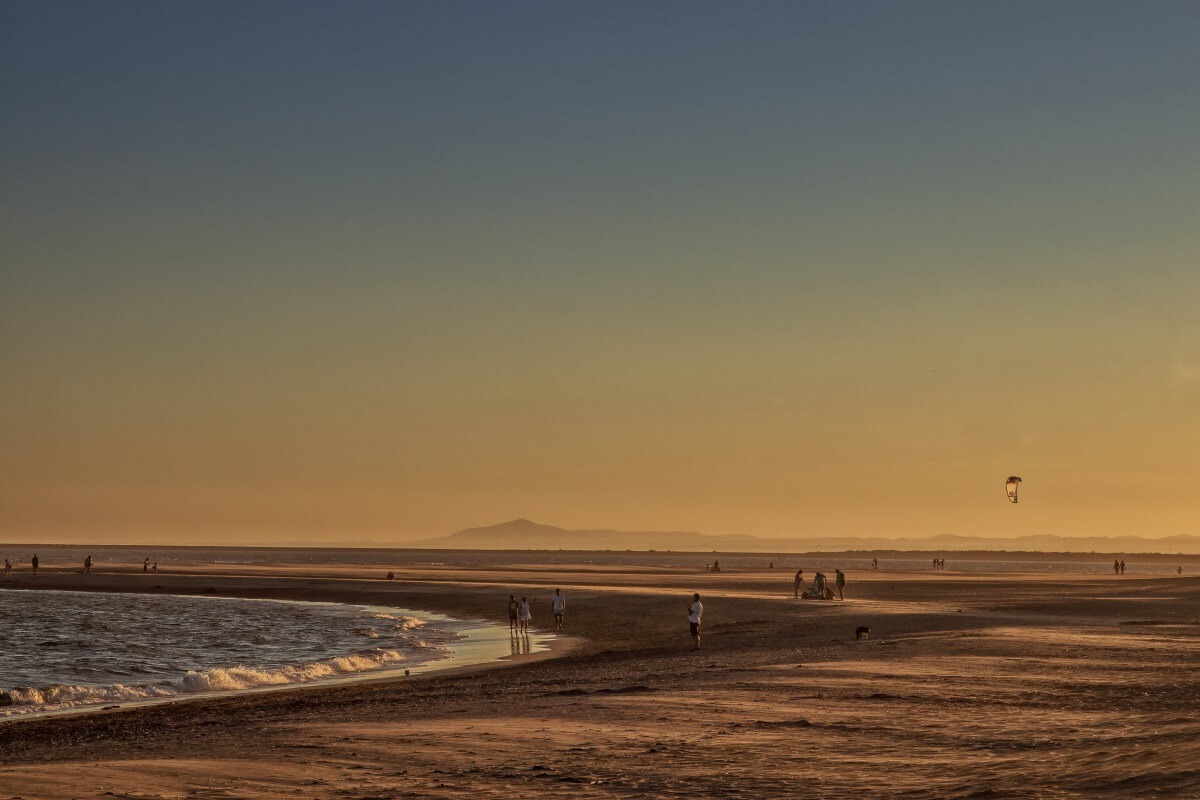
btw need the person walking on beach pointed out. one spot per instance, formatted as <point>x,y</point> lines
<point>797,584</point>
<point>8,568</point>
<point>525,615</point>
<point>35,564</point>
<point>146,565</point>
<point>695,611</point>
<point>1116,567</point>
<point>1122,566</point>
<point>839,580</point>
<point>87,565</point>
<point>558,604</point>
<point>514,609</point>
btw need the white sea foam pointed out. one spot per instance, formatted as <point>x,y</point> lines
<point>216,679</point>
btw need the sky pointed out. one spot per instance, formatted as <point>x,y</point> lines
<point>340,272</point>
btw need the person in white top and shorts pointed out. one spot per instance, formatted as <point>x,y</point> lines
<point>559,607</point>
<point>525,615</point>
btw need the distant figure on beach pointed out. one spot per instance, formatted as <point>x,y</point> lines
<point>695,611</point>
<point>146,565</point>
<point>798,583</point>
<point>391,576</point>
<point>558,605</point>
<point>839,580</point>
<point>525,614</point>
<point>1122,566</point>
<point>771,565</point>
<point>716,566</point>
<point>8,568</point>
<point>1116,568</point>
<point>1178,570</point>
<point>87,565</point>
<point>514,611</point>
<point>154,567</point>
<point>874,563</point>
<point>819,581</point>
<point>35,563</point>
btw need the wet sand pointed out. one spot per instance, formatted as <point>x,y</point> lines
<point>979,685</point>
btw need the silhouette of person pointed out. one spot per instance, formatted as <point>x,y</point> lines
<point>695,611</point>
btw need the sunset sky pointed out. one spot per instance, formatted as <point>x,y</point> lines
<point>355,271</point>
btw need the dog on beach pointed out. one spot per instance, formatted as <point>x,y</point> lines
<point>862,632</point>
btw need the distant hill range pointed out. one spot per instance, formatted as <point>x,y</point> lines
<point>523,534</point>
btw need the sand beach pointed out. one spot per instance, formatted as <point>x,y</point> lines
<point>970,685</point>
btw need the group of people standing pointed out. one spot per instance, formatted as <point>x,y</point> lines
<point>939,563</point>
<point>820,586</point>
<point>520,615</point>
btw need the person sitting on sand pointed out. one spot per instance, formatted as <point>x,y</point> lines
<point>695,611</point>
<point>525,615</point>
<point>797,584</point>
<point>514,610</point>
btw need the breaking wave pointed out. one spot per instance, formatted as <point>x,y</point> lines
<point>71,649</point>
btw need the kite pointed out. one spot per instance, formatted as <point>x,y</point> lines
<point>1011,485</point>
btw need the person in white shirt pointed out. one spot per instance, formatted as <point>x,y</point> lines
<point>695,609</point>
<point>559,607</point>
<point>525,615</point>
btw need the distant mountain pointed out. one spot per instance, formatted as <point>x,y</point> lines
<point>524,534</point>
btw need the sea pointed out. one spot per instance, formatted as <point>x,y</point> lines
<point>73,651</point>
<point>377,561</point>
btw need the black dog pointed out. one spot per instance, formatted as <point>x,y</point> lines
<point>862,632</point>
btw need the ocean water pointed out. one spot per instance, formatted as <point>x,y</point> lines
<point>65,650</point>
<point>377,561</point>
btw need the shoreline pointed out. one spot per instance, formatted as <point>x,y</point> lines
<point>481,646</point>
